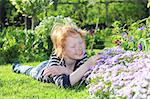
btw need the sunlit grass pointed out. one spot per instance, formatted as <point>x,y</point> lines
<point>19,86</point>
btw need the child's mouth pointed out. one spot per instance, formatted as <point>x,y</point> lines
<point>81,53</point>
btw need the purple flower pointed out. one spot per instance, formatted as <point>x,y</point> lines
<point>91,69</point>
<point>118,79</point>
<point>141,28</point>
<point>130,39</point>
<point>140,47</point>
<point>124,34</point>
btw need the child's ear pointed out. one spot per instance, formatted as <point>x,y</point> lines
<point>64,52</point>
<point>84,44</point>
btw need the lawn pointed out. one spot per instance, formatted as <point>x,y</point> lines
<point>19,86</point>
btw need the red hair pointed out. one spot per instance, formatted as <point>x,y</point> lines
<point>59,34</point>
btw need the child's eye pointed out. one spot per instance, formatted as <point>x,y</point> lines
<point>72,47</point>
<point>80,42</point>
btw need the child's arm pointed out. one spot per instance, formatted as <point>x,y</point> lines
<point>56,70</point>
<point>79,73</point>
<point>69,80</point>
<point>66,80</point>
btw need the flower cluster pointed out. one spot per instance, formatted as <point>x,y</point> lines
<point>121,74</point>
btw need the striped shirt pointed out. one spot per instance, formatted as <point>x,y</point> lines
<point>63,79</point>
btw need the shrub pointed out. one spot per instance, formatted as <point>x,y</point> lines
<point>18,45</point>
<point>134,36</point>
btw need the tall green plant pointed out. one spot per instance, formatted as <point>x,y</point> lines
<point>31,8</point>
<point>133,37</point>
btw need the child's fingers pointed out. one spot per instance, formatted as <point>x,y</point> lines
<point>49,75</point>
<point>97,57</point>
<point>47,72</point>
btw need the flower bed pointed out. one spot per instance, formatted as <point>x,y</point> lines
<point>121,74</point>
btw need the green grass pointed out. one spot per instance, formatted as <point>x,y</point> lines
<point>19,86</point>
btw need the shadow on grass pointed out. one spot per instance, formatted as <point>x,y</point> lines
<point>78,87</point>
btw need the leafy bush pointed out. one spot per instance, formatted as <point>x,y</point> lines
<point>134,36</point>
<point>98,38</point>
<point>45,26</point>
<point>9,46</point>
<point>18,45</point>
<point>86,12</point>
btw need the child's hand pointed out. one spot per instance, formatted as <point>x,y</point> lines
<point>92,61</point>
<point>56,70</point>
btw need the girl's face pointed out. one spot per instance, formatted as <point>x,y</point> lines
<point>74,47</point>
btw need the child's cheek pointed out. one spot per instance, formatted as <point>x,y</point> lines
<point>73,51</point>
<point>83,46</point>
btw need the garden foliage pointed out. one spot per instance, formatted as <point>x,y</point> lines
<point>18,45</point>
<point>132,36</point>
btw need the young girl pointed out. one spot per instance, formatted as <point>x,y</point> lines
<point>68,63</point>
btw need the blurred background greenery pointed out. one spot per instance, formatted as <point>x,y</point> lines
<point>25,26</point>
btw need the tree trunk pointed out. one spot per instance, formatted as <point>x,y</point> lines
<point>106,5</point>
<point>149,11</point>
<point>25,20</point>
<point>55,4</point>
<point>2,14</point>
<point>92,45</point>
<point>32,26</point>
